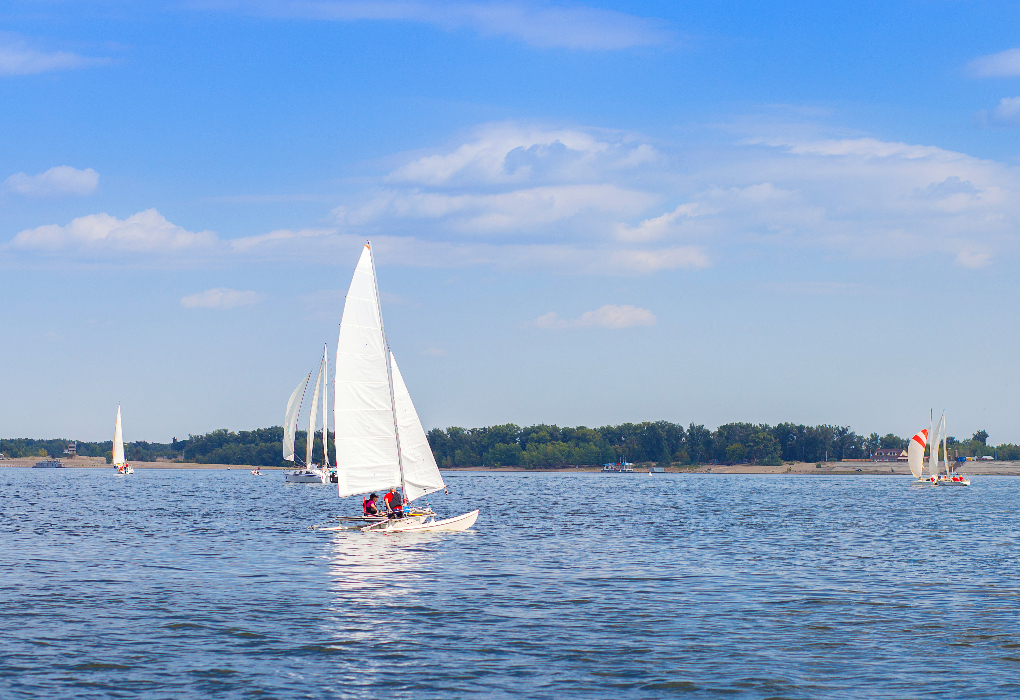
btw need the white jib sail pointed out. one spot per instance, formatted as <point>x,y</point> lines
<point>325,427</point>
<point>915,453</point>
<point>118,441</point>
<point>291,418</point>
<point>421,474</point>
<point>364,435</point>
<point>933,455</point>
<point>313,416</point>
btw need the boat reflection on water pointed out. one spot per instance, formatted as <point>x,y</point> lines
<point>366,569</point>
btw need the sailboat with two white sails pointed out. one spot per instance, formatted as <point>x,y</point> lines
<point>379,440</point>
<point>312,473</point>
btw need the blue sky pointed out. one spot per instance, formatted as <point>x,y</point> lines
<point>582,213</point>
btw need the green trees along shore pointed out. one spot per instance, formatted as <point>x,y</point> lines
<point>543,446</point>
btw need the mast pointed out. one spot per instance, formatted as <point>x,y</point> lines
<point>389,372</point>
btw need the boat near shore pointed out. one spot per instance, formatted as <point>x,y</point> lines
<point>940,472</point>
<point>48,464</point>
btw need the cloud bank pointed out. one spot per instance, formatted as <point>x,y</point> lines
<point>595,201</point>
<point>221,298</point>
<point>538,24</point>
<point>61,180</point>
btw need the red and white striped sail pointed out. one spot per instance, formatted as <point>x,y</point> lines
<point>915,453</point>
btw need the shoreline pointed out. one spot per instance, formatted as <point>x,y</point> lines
<point>989,468</point>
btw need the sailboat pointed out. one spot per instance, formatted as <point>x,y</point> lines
<point>119,464</point>
<point>379,440</point>
<point>312,473</point>
<point>936,476</point>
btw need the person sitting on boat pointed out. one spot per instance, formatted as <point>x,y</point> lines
<point>369,505</point>
<point>394,503</point>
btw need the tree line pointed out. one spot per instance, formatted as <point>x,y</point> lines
<point>543,445</point>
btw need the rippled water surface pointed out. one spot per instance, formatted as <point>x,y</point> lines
<point>197,584</point>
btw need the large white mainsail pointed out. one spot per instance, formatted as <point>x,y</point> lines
<point>118,442</point>
<point>313,416</point>
<point>291,418</point>
<point>421,474</point>
<point>363,422</point>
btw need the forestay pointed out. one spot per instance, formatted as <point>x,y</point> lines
<point>363,424</point>
<point>421,474</point>
<point>291,418</point>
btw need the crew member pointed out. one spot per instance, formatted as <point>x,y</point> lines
<point>369,505</point>
<point>394,503</point>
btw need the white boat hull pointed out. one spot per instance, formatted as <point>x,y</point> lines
<point>305,476</point>
<point>425,522</point>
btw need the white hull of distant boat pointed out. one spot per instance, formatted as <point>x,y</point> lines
<point>305,476</point>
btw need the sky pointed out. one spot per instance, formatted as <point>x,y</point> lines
<point>582,213</point>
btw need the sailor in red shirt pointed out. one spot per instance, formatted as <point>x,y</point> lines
<point>394,503</point>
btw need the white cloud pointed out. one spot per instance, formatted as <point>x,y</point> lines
<point>221,298</point>
<point>1005,64</point>
<point>17,58</point>
<point>535,23</point>
<point>60,180</point>
<point>510,153</point>
<point>609,316</point>
<point>278,236</point>
<point>1006,113</point>
<point>145,232</point>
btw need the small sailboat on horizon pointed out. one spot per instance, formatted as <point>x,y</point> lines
<point>379,440</point>
<point>119,462</point>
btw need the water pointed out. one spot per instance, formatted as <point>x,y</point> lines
<point>197,584</point>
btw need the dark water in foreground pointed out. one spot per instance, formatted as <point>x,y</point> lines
<point>196,584</point>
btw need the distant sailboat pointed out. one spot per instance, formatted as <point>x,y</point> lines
<point>119,464</point>
<point>940,473</point>
<point>312,473</point>
<point>379,440</point>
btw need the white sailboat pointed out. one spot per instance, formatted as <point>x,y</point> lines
<point>312,473</point>
<point>119,463</point>
<point>940,472</point>
<point>379,439</point>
